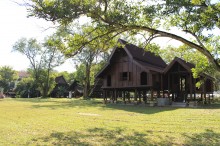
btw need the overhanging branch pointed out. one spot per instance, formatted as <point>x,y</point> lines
<point>181,39</point>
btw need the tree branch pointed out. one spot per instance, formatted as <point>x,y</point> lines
<point>176,37</point>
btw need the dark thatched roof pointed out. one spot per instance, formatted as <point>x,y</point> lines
<point>187,65</point>
<point>140,56</point>
<point>60,80</point>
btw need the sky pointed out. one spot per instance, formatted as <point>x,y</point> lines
<point>14,25</point>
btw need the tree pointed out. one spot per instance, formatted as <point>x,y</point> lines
<point>86,59</point>
<point>146,19</point>
<point>69,43</point>
<point>27,88</point>
<point>7,77</point>
<point>43,58</point>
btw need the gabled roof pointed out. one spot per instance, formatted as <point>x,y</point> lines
<point>75,84</point>
<point>139,56</point>
<point>188,66</point>
<point>60,80</point>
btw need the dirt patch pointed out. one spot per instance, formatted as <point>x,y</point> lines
<point>88,114</point>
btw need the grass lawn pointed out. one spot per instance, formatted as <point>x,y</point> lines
<point>81,122</point>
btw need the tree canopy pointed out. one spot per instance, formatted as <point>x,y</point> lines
<point>7,77</point>
<point>43,57</point>
<point>145,19</point>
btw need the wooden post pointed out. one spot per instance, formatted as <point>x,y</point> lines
<point>161,85</point>
<point>139,96</point>
<point>194,88</point>
<point>168,86</point>
<point>124,97</point>
<point>190,86</point>
<point>202,97</point>
<point>129,98</point>
<point>135,96</point>
<point>152,92</point>
<point>209,99</point>
<point>116,94</point>
<point>112,96</point>
<point>204,91</point>
<point>104,96</point>
<point>144,97</point>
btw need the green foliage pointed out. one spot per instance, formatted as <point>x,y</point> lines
<point>114,18</point>
<point>80,75</point>
<point>46,82</point>
<point>27,88</point>
<point>7,77</point>
<point>43,57</point>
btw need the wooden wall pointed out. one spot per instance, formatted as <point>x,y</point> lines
<point>122,63</point>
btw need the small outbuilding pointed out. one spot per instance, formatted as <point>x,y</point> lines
<point>76,89</point>
<point>181,85</point>
<point>61,88</point>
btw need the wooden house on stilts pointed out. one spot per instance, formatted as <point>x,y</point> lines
<point>133,74</point>
<point>130,69</point>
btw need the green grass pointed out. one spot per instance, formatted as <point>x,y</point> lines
<point>81,122</point>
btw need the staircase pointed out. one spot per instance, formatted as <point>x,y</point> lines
<point>179,104</point>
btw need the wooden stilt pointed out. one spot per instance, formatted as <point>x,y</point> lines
<point>139,96</point>
<point>112,96</point>
<point>124,96</point>
<point>202,97</point>
<point>152,96</point>
<point>194,88</point>
<point>209,99</point>
<point>104,97</point>
<point>135,96</point>
<point>169,87</point>
<point>128,96</point>
<point>144,97</point>
<point>190,86</point>
<point>116,95</point>
<point>205,102</point>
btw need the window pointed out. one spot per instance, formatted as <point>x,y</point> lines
<point>143,78</point>
<point>109,80</point>
<point>125,76</point>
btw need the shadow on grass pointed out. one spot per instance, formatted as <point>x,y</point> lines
<point>101,136</point>
<point>56,103</point>
<point>80,103</point>
<point>208,138</point>
<point>139,108</point>
<point>210,106</point>
<point>68,103</point>
<point>95,136</point>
